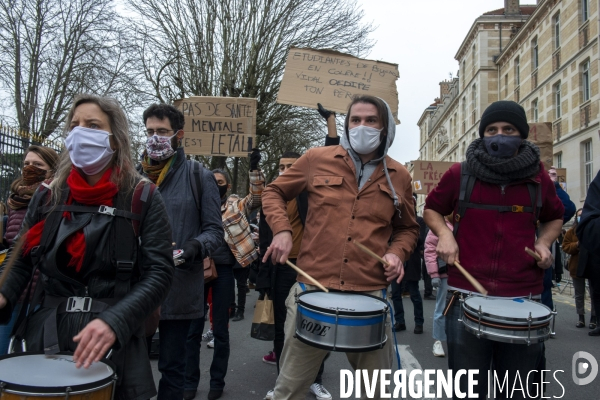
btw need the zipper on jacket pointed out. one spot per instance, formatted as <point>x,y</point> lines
<point>502,188</point>
<point>360,173</point>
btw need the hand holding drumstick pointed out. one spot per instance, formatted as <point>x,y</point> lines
<point>393,265</point>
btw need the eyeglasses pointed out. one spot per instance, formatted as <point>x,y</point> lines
<point>159,132</point>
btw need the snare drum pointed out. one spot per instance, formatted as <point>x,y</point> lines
<point>37,376</point>
<point>507,320</point>
<point>347,322</point>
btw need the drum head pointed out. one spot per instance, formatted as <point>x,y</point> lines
<point>507,309</point>
<point>345,303</point>
<point>38,373</point>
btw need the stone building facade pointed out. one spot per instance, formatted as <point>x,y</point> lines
<point>543,56</point>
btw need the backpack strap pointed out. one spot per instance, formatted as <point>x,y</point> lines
<point>535,194</point>
<point>467,182</point>
<point>196,181</point>
<point>127,243</point>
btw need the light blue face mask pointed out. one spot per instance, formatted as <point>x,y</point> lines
<point>578,218</point>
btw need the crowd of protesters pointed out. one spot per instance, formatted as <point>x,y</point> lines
<point>97,222</point>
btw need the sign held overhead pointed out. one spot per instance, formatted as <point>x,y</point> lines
<point>333,78</point>
<point>218,126</point>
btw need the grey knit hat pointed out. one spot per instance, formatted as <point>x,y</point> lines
<point>505,111</point>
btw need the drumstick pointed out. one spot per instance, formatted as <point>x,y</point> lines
<point>11,261</point>
<point>307,276</point>
<point>471,279</point>
<point>533,254</point>
<point>372,254</point>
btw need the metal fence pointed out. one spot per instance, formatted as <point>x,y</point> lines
<point>13,144</point>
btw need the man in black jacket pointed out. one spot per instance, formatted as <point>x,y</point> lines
<point>412,276</point>
<point>588,232</point>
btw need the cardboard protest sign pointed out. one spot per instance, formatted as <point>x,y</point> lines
<point>561,176</point>
<point>427,174</point>
<point>541,135</point>
<point>333,78</point>
<point>218,126</point>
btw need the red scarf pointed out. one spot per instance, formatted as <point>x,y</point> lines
<point>101,193</point>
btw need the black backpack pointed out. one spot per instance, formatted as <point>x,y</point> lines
<point>467,183</point>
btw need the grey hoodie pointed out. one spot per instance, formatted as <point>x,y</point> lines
<point>369,168</point>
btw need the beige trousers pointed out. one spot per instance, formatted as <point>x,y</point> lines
<point>299,363</point>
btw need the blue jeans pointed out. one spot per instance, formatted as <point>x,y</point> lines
<point>465,351</point>
<point>5,330</point>
<point>171,358</point>
<point>415,297</point>
<point>222,292</point>
<point>439,321</point>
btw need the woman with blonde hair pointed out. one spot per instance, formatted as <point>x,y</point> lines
<point>99,231</point>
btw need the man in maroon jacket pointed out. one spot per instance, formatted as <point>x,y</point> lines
<point>508,197</point>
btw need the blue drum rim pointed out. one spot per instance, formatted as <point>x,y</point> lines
<point>341,320</point>
<point>56,390</point>
<point>330,311</point>
<point>341,348</point>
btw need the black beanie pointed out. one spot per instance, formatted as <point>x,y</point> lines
<point>505,111</point>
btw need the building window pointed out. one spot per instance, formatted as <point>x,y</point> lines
<point>474,98</point>
<point>464,108</point>
<point>473,57</point>
<point>454,128</point>
<point>585,10</point>
<point>557,101</point>
<point>559,160</point>
<point>556,31</point>
<point>534,110</point>
<point>587,164</point>
<point>517,72</point>
<point>585,80</point>
<point>534,54</point>
<point>506,86</point>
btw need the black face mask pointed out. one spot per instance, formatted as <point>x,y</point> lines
<point>222,190</point>
<point>502,146</point>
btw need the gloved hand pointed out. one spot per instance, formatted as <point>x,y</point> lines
<point>435,282</point>
<point>254,159</point>
<point>324,113</point>
<point>192,250</point>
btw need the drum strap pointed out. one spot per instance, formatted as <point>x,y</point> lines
<point>384,294</point>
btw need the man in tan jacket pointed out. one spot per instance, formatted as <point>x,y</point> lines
<point>355,192</point>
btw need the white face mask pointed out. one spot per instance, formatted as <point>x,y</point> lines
<point>89,149</point>
<point>364,139</point>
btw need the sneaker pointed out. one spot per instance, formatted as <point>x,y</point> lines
<point>211,344</point>
<point>318,390</point>
<point>438,349</point>
<point>270,358</point>
<point>269,395</point>
<point>418,329</point>
<point>208,336</point>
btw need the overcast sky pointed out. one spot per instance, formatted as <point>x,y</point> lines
<point>422,37</point>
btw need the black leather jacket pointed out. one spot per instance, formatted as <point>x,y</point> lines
<point>150,284</point>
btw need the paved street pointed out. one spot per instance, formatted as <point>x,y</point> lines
<point>250,378</point>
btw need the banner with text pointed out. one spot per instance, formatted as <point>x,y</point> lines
<point>218,126</point>
<point>333,78</point>
<point>427,174</point>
